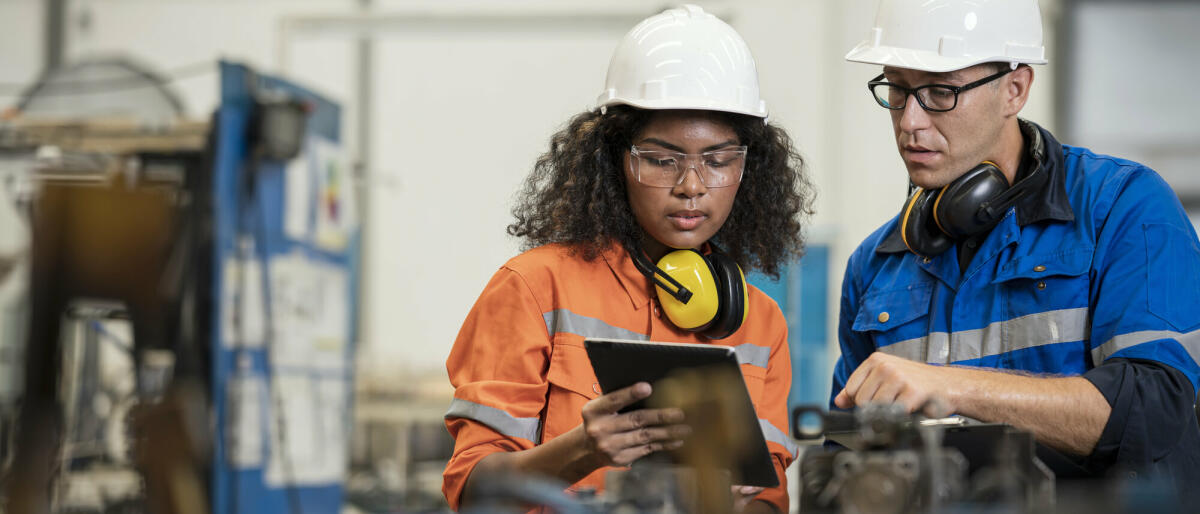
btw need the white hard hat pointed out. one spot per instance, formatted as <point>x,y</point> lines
<point>683,58</point>
<point>948,35</point>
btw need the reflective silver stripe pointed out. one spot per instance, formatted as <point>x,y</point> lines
<point>565,321</point>
<point>1050,327</point>
<point>500,421</point>
<point>753,355</point>
<point>776,435</point>
<point>1190,341</point>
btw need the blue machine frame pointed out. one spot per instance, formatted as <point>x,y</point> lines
<point>802,294</point>
<point>249,199</point>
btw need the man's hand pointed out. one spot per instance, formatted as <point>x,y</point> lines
<point>890,379</point>
<point>619,439</point>
<point>742,495</point>
<point>1066,413</point>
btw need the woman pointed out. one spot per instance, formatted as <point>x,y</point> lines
<point>677,156</point>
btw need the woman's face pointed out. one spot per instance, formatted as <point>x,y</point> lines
<point>689,213</point>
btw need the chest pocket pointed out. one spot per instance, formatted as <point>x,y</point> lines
<point>572,384</point>
<point>1036,284</point>
<point>571,371</point>
<point>887,311</point>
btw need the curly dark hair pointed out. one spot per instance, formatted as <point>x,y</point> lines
<point>576,192</point>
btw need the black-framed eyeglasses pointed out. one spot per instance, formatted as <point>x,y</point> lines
<point>932,97</point>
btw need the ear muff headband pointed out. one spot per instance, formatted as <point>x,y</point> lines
<point>732,291</point>
<point>996,207</point>
<point>666,284</point>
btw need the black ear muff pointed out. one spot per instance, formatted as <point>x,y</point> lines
<point>918,228</point>
<point>933,220</point>
<point>731,286</point>
<point>961,207</point>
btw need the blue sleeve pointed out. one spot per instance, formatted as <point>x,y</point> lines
<point>854,347</point>
<point>1153,426</point>
<point>1146,276</point>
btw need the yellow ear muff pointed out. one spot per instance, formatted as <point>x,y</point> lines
<point>937,203</point>
<point>922,236</point>
<point>691,270</point>
<point>908,211</point>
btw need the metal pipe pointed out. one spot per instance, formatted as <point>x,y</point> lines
<point>55,35</point>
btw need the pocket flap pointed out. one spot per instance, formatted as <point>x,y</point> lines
<point>570,369</point>
<point>889,309</point>
<point>1071,263</point>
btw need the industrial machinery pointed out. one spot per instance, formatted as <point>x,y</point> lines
<point>110,211</point>
<point>893,462</point>
<point>647,487</point>
<point>155,298</point>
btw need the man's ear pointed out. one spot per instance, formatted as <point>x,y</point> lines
<point>1017,89</point>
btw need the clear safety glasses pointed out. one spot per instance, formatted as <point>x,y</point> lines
<point>664,168</point>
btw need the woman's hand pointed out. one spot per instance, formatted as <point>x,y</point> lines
<point>619,439</point>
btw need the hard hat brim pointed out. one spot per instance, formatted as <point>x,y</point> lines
<point>867,53</point>
<point>699,104</point>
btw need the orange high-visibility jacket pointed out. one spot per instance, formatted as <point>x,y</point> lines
<point>521,375</point>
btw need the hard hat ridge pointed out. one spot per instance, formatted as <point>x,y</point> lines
<point>683,58</point>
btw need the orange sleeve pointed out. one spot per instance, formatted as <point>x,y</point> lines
<point>774,410</point>
<point>498,369</point>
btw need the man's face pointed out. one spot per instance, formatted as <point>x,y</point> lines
<point>938,147</point>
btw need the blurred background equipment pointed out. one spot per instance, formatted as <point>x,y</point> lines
<point>14,290</point>
<point>896,462</point>
<point>172,276</point>
<point>285,279</point>
<point>105,88</point>
<point>103,227</point>
<point>888,461</point>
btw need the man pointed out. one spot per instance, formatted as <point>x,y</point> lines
<point>1024,282</point>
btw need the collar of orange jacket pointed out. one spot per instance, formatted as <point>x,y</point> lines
<point>636,285</point>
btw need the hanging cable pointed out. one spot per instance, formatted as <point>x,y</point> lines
<point>107,85</point>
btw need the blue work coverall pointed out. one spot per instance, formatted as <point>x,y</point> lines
<point>1096,273</point>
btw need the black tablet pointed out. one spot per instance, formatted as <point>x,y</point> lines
<point>621,363</point>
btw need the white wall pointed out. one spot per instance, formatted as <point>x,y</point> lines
<point>461,112</point>
<point>174,34</point>
<point>21,43</point>
<point>1136,95</point>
